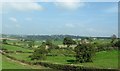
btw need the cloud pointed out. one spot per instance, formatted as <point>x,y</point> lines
<point>25,6</point>
<point>20,6</point>
<point>15,22</point>
<point>13,19</point>
<point>60,0</point>
<point>69,4</point>
<point>70,25</point>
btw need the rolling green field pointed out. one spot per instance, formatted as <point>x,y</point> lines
<point>15,48</point>
<point>7,64</point>
<point>102,59</point>
<point>11,64</point>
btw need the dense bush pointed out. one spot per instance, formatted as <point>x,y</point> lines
<point>51,45</point>
<point>84,52</point>
<point>60,66</point>
<point>39,54</point>
<point>117,44</point>
<point>31,43</point>
<point>6,51</point>
<point>68,41</point>
<point>4,41</point>
<point>103,47</point>
<point>19,51</point>
<point>3,49</point>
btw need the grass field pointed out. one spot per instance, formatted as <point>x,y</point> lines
<point>11,64</point>
<point>21,56</point>
<point>103,59</point>
<point>7,64</point>
<point>16,48</point>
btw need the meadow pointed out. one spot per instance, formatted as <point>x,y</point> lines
<point>107,59</point>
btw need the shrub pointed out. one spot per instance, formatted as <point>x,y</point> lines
<point>68,41</point>
<point>4,41</point>
<point>84,53</point>
<point>39,54</point>
<point>61,66</point>
<point>4,49</point>
<point>19,51</point>
<point>103,46</point>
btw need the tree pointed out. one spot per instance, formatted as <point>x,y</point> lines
<point>51,45</point>
<point>4,41</point>
<point>68,41</point>
<point>84,53</point>
<point>113,37</point>
<point>48,42</point>
<point>39,54</point>
<point>31,43</point>
<point>117,44</point>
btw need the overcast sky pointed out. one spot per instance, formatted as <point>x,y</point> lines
<point>73,18</point>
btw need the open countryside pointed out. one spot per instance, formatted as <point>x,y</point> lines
<point>59,36</point>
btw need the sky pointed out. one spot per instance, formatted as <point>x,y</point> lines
<point>56,18</point>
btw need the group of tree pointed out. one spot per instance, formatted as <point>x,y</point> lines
<point>117,44</point>
<point>68,41</point>
<point>113,38</point>
<point>84,50</point>
<point>4,41</point>
<point>39,53</point>
<point>31,44</point>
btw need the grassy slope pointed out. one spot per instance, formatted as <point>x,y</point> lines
<point>104,59</point>
<point>9,64</point>
<point>21,56</point>
<point>15,48</point>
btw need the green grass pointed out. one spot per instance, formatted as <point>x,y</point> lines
<point>15,48</point>
<point>100,41</point>
<point>58,42</point>
<point>7,64</point>
<point>10,64</point>
<point>38,43</point>
<point>59,59</point>
<point>21,56</point>
<point>0,61</point>
<point>103,59</point>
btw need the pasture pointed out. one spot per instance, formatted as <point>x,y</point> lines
<point>104,59</point>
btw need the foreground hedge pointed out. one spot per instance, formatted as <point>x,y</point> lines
<point>62,67</point>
